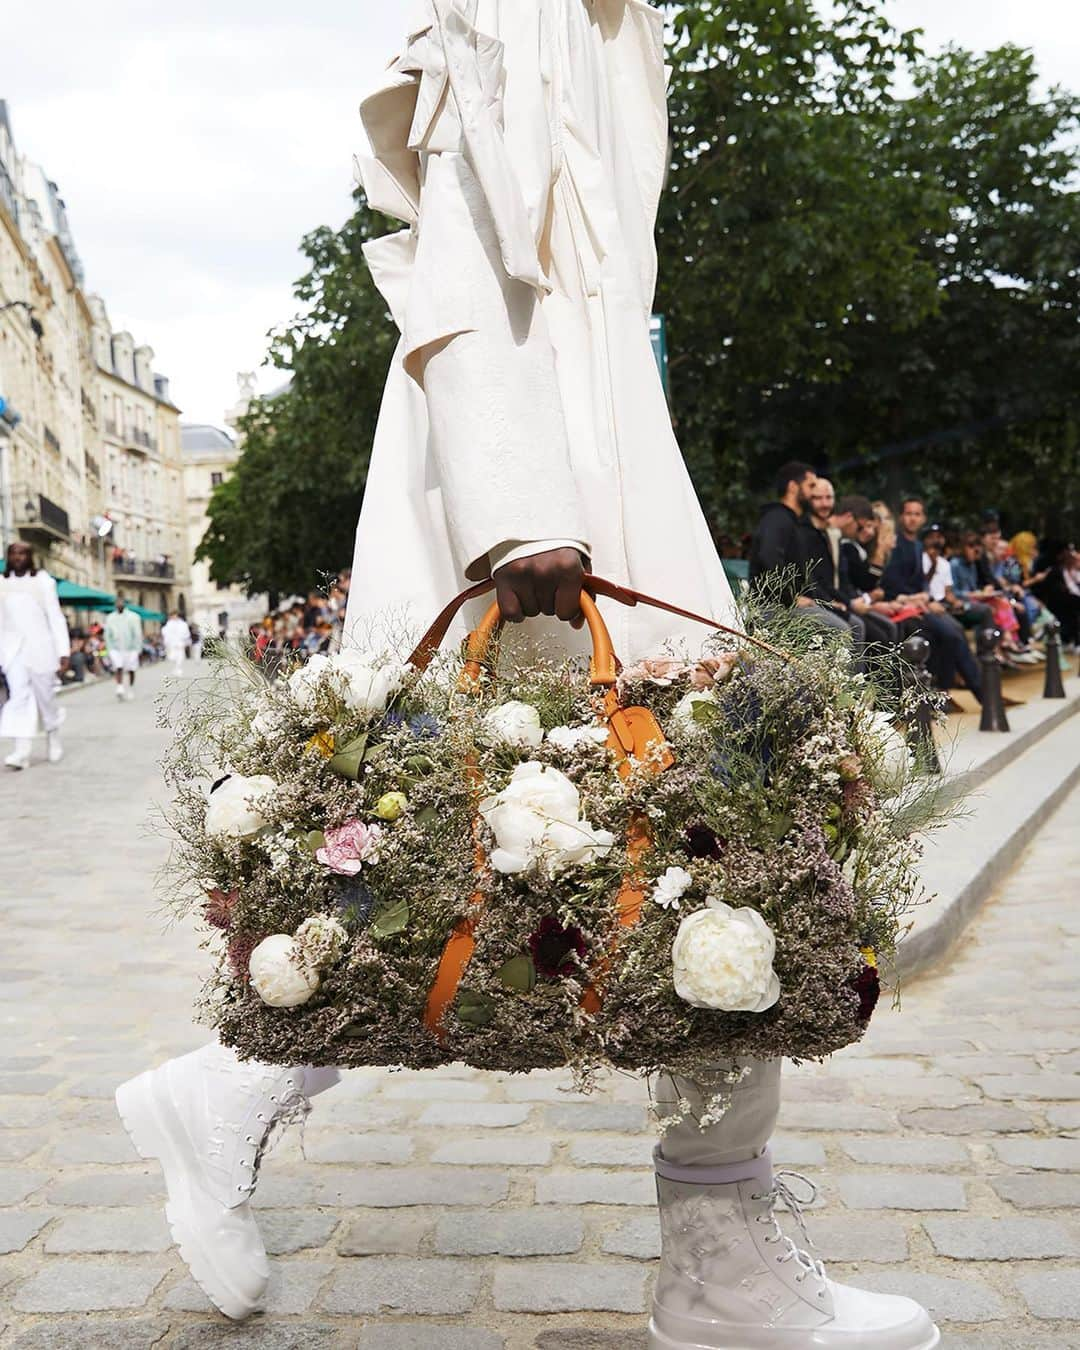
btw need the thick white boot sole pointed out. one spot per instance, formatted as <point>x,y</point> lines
<point>775,1339</point>
<point>158,1135</point>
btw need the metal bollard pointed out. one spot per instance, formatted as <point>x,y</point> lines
<point>920,731</point>
<point>1053,688</point>
<point>993,709</point>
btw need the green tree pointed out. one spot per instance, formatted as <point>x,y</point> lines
<point>783,238</point>
<point>287,515</point>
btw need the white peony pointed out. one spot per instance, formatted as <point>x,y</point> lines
<point>536,820</point>
<point>278,974</point>
<point>233,808</point>
<point>569,739</point>
<point>671,887</point>
<point>370,681</point>
<point>682,715</point>
<point>723,959</point>
<point>364,681</point>
<point>513,723</point>
<point>888,753</point>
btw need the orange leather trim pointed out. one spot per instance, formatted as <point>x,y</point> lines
<point>632,734</point>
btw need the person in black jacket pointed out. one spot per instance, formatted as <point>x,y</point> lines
<point>777,563</point>
<point>853,517</point>
<point>904,579</point>
<point>821,544</point>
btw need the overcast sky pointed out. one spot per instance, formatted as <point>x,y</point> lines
<point>195,144</point>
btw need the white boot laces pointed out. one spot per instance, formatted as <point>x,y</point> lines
<point>292,1107</point>
<point>782,1191</point>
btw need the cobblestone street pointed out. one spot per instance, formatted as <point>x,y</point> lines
<point>460,1211</point>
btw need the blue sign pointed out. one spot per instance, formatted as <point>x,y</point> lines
<point>658,337</point>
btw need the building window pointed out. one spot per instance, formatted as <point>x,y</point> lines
<point>216,479</point>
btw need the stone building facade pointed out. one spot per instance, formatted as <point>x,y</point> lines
<point>90,460</point>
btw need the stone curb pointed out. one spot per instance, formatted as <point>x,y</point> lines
<point>1014,787</point>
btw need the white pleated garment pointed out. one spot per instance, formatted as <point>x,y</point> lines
<point>524,143</point>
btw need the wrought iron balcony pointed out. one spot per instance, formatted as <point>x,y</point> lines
<point>37,517</point>
<point>144,569</point>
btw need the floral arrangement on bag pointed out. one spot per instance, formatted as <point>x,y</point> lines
<point>520,868</point>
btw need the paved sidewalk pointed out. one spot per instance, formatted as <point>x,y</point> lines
<point>459,1211</point>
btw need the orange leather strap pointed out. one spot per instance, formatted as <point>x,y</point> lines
<point>431,641</point>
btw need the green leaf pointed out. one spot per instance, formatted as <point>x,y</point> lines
<point>373,752</point>
<point>475,1010</point>
<point>393,919</point>
<point>420,766</point>
<point>313,841</point>
<point>519,973</point>
<point>779,825</point>
<point>349,759</point>
<point>704,711</point>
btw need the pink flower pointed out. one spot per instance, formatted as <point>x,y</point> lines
<point>350,846</point>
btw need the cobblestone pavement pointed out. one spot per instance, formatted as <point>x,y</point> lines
<point>470,1212</point>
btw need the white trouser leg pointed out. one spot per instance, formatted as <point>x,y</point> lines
<point>744,1130</point>
<point>18,716</point>
<point>44,686</point>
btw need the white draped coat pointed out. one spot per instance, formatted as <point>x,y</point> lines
<point>524,145</point>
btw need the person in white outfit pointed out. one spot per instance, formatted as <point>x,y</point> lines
<point>34,650</point>
<point>176,636</point>
<point>123,641</point>
<point>524,433</point>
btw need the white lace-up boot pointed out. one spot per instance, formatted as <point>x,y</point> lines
<point>207,1117</point>
<point>730,1277</point>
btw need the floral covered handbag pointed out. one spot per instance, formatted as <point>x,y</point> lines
<point>654,867</point>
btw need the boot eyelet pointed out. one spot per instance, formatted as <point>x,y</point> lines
<point>273,1098</point>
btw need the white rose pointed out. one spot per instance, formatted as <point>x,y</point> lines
<point>320,941</point>
<point>233,808</point>
<point>888,753</point>
<point>723,959</point>
<point>671,887</point>
<point>682,715</point>
<point>513,723</point>
<point>369,681</point>
<point>278,975</point>
<point>536,820</point>
<point>569,739</point>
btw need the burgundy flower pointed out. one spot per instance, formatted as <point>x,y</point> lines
<point>219,907</point>
<point>868,987</point>
<point>240,949</point>
<point>556,950</point>
<point>701,842</point>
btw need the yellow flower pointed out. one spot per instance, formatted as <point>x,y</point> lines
<point>391,805</point>
<point>322,743</point>
<point>869,956</point>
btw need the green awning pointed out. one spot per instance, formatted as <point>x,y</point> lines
<point>83,597</point>
<point>151,615</point>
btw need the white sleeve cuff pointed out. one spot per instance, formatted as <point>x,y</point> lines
<point>513,549</point>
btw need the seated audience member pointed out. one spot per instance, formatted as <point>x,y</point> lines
<point>974,584</point>
<point>853,517</point>
<point>940,583</point>
<point>1057,585</point>
<point>778,553</point>
<point>903,580</point>
<point>821,548</point>
<point>1002,571</point>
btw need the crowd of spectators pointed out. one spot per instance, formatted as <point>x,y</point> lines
<point>854,567</point>
<point>90,655</point>
<point>301,627</point>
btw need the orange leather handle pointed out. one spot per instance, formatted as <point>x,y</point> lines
<point>603,666</point>
<point>431,641</point>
